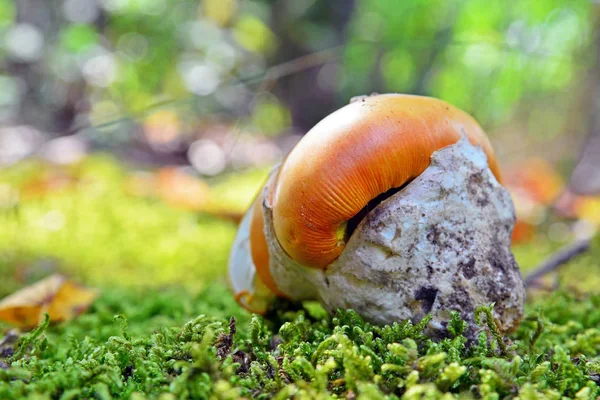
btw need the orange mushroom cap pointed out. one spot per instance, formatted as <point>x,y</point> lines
<point>352,156</point>
<point>259,249</point>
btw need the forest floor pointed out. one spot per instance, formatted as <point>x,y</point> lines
<point>165,325</point>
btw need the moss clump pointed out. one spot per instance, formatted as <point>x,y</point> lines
<point>149,351</point>
<point>45,209</point>
<point>171,344</point>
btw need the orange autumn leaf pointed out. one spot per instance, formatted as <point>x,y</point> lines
<point>62,299</point>
<point>181,190</point>
<point>534,185</point>
<point>537,178</point>
<point>50,183</point>
<point>523,231</point>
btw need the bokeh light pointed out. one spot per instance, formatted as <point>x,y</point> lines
<point>185,95</point>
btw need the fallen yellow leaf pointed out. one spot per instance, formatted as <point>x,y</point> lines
<point>588,209</point>
<point>62,299</point>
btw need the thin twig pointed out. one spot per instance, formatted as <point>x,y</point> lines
<point>299,64</point>
<point>557,259</point>
<point>282,70</point>
<point>265,80</point>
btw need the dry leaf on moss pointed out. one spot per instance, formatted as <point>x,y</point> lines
<point>181,190</point>
<point>61,298</point>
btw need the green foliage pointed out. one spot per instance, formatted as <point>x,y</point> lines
<point>488,57</point>
<point>483,56</point>
<point>150,351</point>
<point>138,239</point>
<point>131,55</point>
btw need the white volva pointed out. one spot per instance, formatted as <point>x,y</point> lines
<point>242,271</point>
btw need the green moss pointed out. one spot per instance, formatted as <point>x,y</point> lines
<point>159,331</point>
<point>82,218</point>
<point>149,350</point>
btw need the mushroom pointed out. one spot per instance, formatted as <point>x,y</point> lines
<point>359,161</point>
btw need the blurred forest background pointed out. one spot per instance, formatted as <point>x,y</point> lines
<point>134,132</point>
